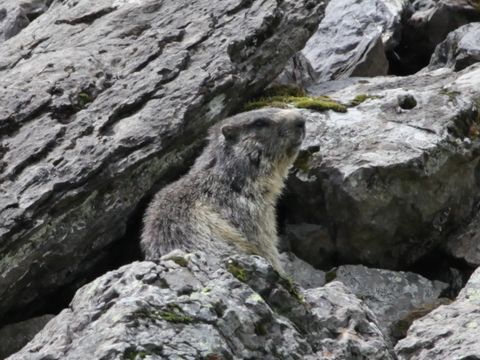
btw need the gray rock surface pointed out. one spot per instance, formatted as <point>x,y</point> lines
<point>460,49</point>
<point>100,100</point>
<point>465,244</point>
<point>353,37</point>
<point>390,182</point>
<point>12,19</point>
<point>15,336</point>
<point>302,272</point>
<point>17,15</point>
<point>185,308</point>
<point>390,295</point>
<point>313,242</point>
<point>449,332</point>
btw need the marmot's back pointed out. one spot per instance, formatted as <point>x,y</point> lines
<point>227,200</point>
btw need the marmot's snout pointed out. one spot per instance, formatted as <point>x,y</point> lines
<point>293,127</point>
<point>298,125</point>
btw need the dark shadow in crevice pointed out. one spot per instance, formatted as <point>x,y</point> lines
<point>420,36</point>
<point>437,265</point>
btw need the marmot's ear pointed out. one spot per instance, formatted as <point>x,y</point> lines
<point>230,132</point>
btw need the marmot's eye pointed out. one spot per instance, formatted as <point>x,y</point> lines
<point>261,123</point>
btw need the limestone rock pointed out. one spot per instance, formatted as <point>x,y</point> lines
<point>302,272</point>
<point>449,332</point>
<point>351,40</point>
<point>390,295</point>
<point>389,180</point>
<point>188,309</point>
<point>102,99</point>
<point>460,49</point>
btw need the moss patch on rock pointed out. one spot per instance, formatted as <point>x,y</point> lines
<point>357,100</point>
<point>302,161</point>
<point>237,271</point>
<point>174,314</point>
<point>288,96</point>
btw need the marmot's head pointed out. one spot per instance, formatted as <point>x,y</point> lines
<point>273,134</point>
<point>258,143</point>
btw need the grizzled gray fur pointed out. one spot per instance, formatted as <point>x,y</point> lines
<point>227,201</point>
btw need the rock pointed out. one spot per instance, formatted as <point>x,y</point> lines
<point>102,99</point>
<point>298,72</point>
<point>465,243</point>
<point>12,19</point>
<point>460,49</point>
<point>302,272</point>
<point>389,183</point>
<point>15,336</point>
<point>350,41</point>
<point>427,24</point>
<point>448,332</point>
<point>17,15</point>
<point>187,309</point>
<point>390,295</point>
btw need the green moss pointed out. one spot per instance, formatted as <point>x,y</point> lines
<point>292,288</point>
<point>330,276</point>
<point>452,94</point>
<point>253,105</point>
<point>285,96</point>
<point>174,314</point>
<point>302,162</point>
<point>171,313</point>
<point>237,271</point>
<point>133,354</point>
<point>284,90</point>
<point>84,99</point>
<point>319,104</point>
<point>260,329</point>
<point>179,260</point>
<point>357,100</point>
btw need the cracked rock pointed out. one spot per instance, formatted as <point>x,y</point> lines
<point>389,183</point>
<point>243,310</point>
<point>100,100</point>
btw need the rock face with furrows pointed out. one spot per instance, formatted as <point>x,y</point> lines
<point>100,100</point>
<point>186,308</point>
<point>391,177</point>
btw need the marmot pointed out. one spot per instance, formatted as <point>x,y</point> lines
<point>226,202</point>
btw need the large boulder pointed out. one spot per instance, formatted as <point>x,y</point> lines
<point>449,332</point>
<point>392,176</point>
<point>460,49</point>
<point>351,40</point>
<point>391,295</point>
<point>186,308</point>
<point>102,99</point>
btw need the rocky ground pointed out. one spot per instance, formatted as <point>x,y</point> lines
<point>104,102</point>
